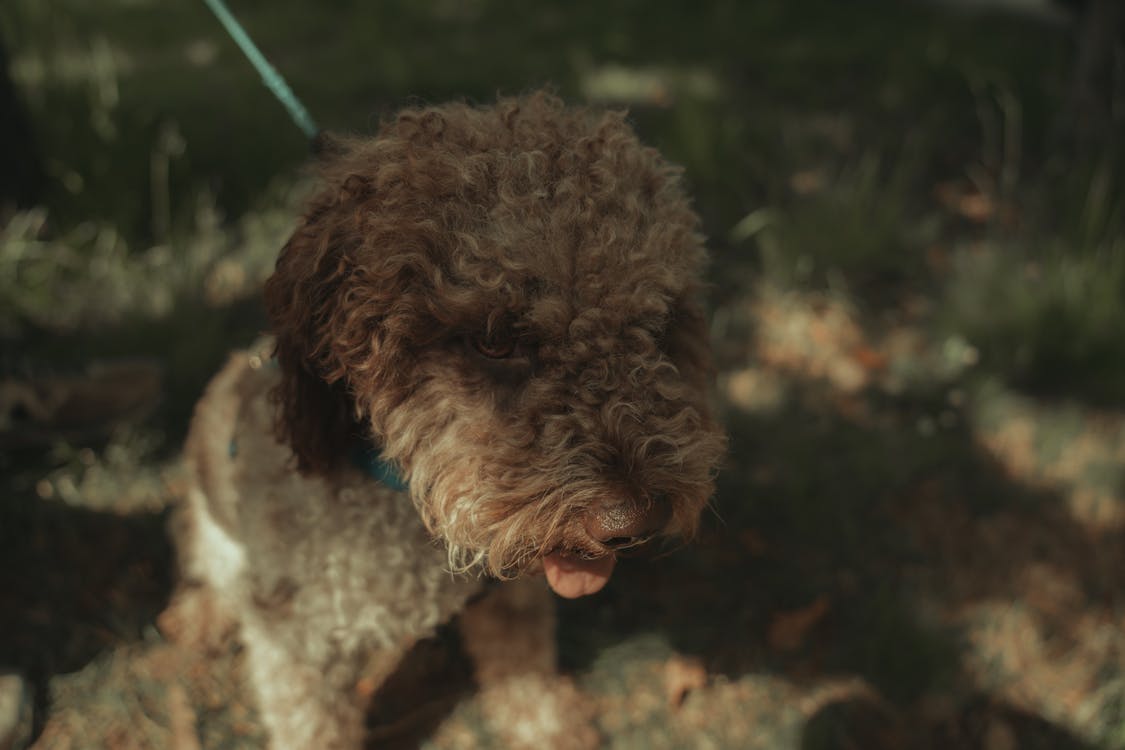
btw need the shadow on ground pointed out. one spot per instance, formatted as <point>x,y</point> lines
<point>854,545</point>
<point>76,583</point>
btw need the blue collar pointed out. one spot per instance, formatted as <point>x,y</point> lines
<point>364,457</point>
<point>369,460</point>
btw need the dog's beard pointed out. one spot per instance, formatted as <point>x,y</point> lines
<point>505,507</point>
<point>532,523</point>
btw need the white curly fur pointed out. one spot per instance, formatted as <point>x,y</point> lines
<point>503,299</point>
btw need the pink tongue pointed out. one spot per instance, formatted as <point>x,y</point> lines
<point>572,577</point>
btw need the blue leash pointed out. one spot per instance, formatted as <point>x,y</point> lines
<point>364,458</point>
<point>270,77</point>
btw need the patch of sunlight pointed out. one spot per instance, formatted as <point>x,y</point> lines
<point>98,62</point>
<point>201,52</point>
<point>121,477</point>
<point>642,704</point>
<point>754,390</point>
<point>90,275</point>
<point>1014,653</point>
<point>647,85</point>
<point>1065,447</point>
<point>821,336</point>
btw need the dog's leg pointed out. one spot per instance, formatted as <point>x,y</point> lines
<point>305,702</point>
<point>510,636</point>
<point>210,560</point>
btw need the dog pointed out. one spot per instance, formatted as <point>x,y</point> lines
<point>488,362</point>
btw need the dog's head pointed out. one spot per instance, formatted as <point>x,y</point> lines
<point>503,300</point>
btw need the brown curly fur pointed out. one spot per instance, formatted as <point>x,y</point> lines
<point>503,300</point>
<point>546,234</point>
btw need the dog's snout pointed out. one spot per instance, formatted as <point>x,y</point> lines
<point>624,524</point>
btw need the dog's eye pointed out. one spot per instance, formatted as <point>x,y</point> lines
<point>495,345</point>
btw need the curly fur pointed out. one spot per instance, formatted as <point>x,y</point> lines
<point>504,300</point>
<point>553,226</point>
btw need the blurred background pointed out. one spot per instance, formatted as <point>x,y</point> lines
<point>916,216</point>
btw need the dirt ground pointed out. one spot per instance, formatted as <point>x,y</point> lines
<point>944,570</point>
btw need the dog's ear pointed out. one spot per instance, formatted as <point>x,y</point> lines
<point>316,416</point>
<point>350,296</point>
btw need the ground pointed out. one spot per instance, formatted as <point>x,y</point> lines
<point>917,298</point>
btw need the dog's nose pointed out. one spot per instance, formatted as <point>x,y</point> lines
<point>624,524</point>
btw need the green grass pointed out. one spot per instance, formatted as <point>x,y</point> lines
<point>105,81</point>
<point>144,109</point>
<point>813,136</point>
<point>860,231</point>
<point>1052,324</point>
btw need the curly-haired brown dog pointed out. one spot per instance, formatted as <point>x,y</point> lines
<point>497,304</point>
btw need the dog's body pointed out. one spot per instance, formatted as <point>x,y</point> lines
<point>382,583</point>
<point>485,335</point>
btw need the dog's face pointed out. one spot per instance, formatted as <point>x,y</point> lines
<point>504,300</point>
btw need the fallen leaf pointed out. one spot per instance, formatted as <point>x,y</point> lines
<point>789,629</point>
<point>753,542</point>
<point>870,359</point>
<point>682,674</point>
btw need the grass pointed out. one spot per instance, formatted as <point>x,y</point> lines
<point>856,229</point>
<point>918,288</point>
<point>1051,322</point>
